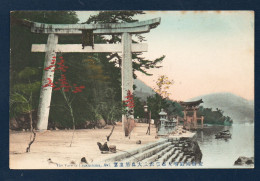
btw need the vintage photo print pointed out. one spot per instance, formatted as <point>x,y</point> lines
<point>131,89</point>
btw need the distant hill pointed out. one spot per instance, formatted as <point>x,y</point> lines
<point>142,90</point>
<point>239,109</point>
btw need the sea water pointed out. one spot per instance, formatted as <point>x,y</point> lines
<point>222,153</point>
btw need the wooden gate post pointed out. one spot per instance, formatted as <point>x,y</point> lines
<point>45,94</point>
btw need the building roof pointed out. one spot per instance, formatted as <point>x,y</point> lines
<point>190,104</point>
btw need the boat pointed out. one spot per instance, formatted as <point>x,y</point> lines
<point>223,134</point>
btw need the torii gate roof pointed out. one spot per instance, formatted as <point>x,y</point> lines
<point>106,28</point>
<point>190,104</point>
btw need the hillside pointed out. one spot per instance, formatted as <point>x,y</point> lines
<point>142,90</point>
<point>238,108</point>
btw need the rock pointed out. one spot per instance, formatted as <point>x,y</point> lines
<point>112,148</point>
<point>156,137</point>
<point>244,160</point>
<point>56,128</point>
<point>104,152</point>
<point>13,124</point>
<point>101,123</point>
<point>88,124</point>
<point>238,162</point>
<point>72,162</point>
<point>23,121</point>
<point>107,127</point>
<point>84,160</point>
<point>138,142</point>
<point>248,162</point>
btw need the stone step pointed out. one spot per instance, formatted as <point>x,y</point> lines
<point>130,153</point>
<point>185,157</point>
<point>148,153</point>
<point>158,155</point>
<point>165,157</point>
<point>191,159</point>
<point>179,158</point>
<point>173,156</point>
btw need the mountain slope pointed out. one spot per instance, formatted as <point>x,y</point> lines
<point>142,90</point>
<point>238,108</point>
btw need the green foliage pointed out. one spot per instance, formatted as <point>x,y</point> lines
<point>114,17</point>
<point>24,94</point>
<point>163,85</point>
<point>27,73</point>
<point>161,101</point>
<point>19,104</point>
<point>110,108</point>
<point>214,117</point>
<point>139,108</point>
<point>27,89</point>
<point>51,17</point>
<point>174,108</point>
<point>155,104</point>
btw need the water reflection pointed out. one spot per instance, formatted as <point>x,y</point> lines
<point>222,153</point>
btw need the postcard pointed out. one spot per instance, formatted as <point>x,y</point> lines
<point>131,89</point>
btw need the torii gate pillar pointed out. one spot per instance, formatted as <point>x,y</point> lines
<point>127,81</point>
<point>45,94</point>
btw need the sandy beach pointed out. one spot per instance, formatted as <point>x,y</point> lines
<point>55,144</point>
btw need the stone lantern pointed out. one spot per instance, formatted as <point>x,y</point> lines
<point>166,126</point>
<point>163,117</point>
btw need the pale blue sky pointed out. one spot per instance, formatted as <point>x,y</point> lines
<point>206,52</point>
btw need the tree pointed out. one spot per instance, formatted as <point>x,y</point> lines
<point>139,108</point>
<point>163,84</point>
<point>162,92</point>
<point>214,117</point>
<point>67,89</point>
<point>21,98</point>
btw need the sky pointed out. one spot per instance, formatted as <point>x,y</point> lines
<point>206,51</point>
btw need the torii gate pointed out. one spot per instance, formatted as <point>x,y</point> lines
<point>126,48</point>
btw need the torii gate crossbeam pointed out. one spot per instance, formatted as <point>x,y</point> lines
<point>126,48</point>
